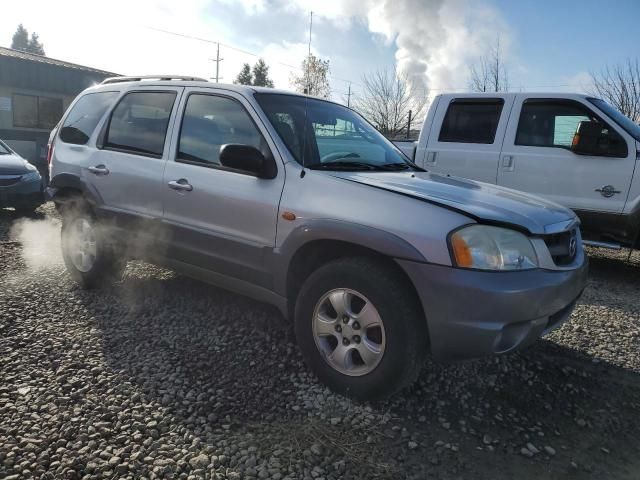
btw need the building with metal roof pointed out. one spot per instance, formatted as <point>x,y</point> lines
<point>34,93</point>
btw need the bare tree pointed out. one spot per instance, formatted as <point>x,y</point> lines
<point>314,79</point>
<point>386,99</point>
<point>620,86</point>
<point>489,73</point>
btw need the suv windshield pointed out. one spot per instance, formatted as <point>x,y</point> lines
<point>617,116</point>
<point>327,136</point>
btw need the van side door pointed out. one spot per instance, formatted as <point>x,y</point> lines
<point>537,156</point>
<point>222,221</point>
<point>466,137</point>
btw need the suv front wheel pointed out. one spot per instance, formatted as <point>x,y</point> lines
<point>90,257</point>
<point>360,328</point>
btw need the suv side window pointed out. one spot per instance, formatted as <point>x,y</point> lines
<point>553,123</point>
<point>471,121</point>
<point>139,123</point>
<point>211,121</point>
<point>84,116</point>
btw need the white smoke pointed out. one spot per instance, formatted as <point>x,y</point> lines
<point>436,40</point>
<point>40,242</point>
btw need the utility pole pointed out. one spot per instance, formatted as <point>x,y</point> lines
<point>218,60</point>
<point>349,96</point>
<point>409,125</point>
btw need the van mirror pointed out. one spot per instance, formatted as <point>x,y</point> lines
<point>594,138</point>
<point>246,158</point>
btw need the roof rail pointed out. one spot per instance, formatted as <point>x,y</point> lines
<point>152,77</point>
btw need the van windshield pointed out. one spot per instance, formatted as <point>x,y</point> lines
<point>618,117</point>
<point>326,136</point>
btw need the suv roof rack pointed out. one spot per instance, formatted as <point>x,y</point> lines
<point>152,77</point>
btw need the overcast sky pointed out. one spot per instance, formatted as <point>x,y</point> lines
<point>549,44</point>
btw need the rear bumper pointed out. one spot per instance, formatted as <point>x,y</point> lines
<point>472,314</point>
<point>22,195</point>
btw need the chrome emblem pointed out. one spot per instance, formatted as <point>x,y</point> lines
<point>573,246</point>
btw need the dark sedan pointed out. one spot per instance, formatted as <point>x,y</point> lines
<point>21,185</point>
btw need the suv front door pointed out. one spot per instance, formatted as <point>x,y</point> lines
<point>222,220</point>
<point>537,156</point>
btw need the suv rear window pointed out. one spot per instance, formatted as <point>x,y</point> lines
<point>139,123</point>
<point>471,121</point>
<point>84,116</point>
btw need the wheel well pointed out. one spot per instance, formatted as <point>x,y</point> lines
<point>313,255</point>
<point>65,195</point>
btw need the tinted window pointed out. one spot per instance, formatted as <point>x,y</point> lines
<point>30,111</point>
<point>471,121</point>
<point>84,116</point>
<point>25,111</point>
<point>553,123</point>
<point>209,123</point>
<point>139,122</point>
<point>3,149</point>
<point>617,116</point>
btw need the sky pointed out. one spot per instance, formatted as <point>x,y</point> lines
<point>548,45</point>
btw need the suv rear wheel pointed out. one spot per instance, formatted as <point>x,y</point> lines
<point>90,257</point>
<point>360,328</point>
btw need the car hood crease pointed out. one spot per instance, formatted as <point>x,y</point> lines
<point>481,201</point>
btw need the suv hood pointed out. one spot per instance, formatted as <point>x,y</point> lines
<point>12,165</point>
<point>480,201</point>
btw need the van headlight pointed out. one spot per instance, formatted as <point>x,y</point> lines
<point>31,177</point>
<point>484,247</point>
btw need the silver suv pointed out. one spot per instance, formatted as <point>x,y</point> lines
<point>299,202</point>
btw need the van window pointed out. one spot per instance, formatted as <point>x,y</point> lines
<point>139,123</point>
<point>553,123</point>
<point>84,116</point>
<point>471,121</point>
<point>209,123</point>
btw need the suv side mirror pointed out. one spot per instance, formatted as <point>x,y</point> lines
<point>248,159</point>
<point>594,138</point>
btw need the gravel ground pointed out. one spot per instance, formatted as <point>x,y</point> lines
<point>161,376</point>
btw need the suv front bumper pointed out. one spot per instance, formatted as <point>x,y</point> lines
<point>474,313</point>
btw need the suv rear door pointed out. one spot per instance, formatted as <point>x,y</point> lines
<point>126,171</point>
<point>537,156</point>
<point>467,136</point>
<point>222,220</point>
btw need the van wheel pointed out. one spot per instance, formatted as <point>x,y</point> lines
<point>360,328</point>
<point>90,257</point>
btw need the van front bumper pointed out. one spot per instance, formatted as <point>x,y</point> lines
<point>474,313</point>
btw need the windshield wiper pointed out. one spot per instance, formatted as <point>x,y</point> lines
<point>395,166</point>
<point>343,165</point>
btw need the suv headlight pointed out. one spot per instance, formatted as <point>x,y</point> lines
<point>484,247</point>
<point>31,177</point>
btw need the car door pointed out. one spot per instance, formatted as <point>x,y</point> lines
<point>222,220</point>
<point>125,172</point>
<point>469,138</point>
<point>537,156</point>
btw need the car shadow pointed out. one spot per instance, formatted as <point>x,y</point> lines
<point>219,363</point>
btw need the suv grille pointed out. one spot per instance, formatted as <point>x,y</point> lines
<point>8,181</point>
<point>562,246</point>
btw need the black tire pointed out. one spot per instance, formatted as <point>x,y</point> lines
<point>109,263</point>
<point>402,317</point>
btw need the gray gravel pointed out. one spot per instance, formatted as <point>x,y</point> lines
<point>161,376</point>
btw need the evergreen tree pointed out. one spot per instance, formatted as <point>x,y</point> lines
<point>244,77</point>
<point>261,75</point>
<point>35,46</point>
<point>20,39</point>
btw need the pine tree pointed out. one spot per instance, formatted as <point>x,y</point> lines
<point>244,77</point>
<point>35,46</point>
<point>261,75</point>
<point>20,39</point>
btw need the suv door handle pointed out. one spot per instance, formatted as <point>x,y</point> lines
<point>182,184</point>
<point>99,170</point>
<point>507,162</point>
<point>432,158</point>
